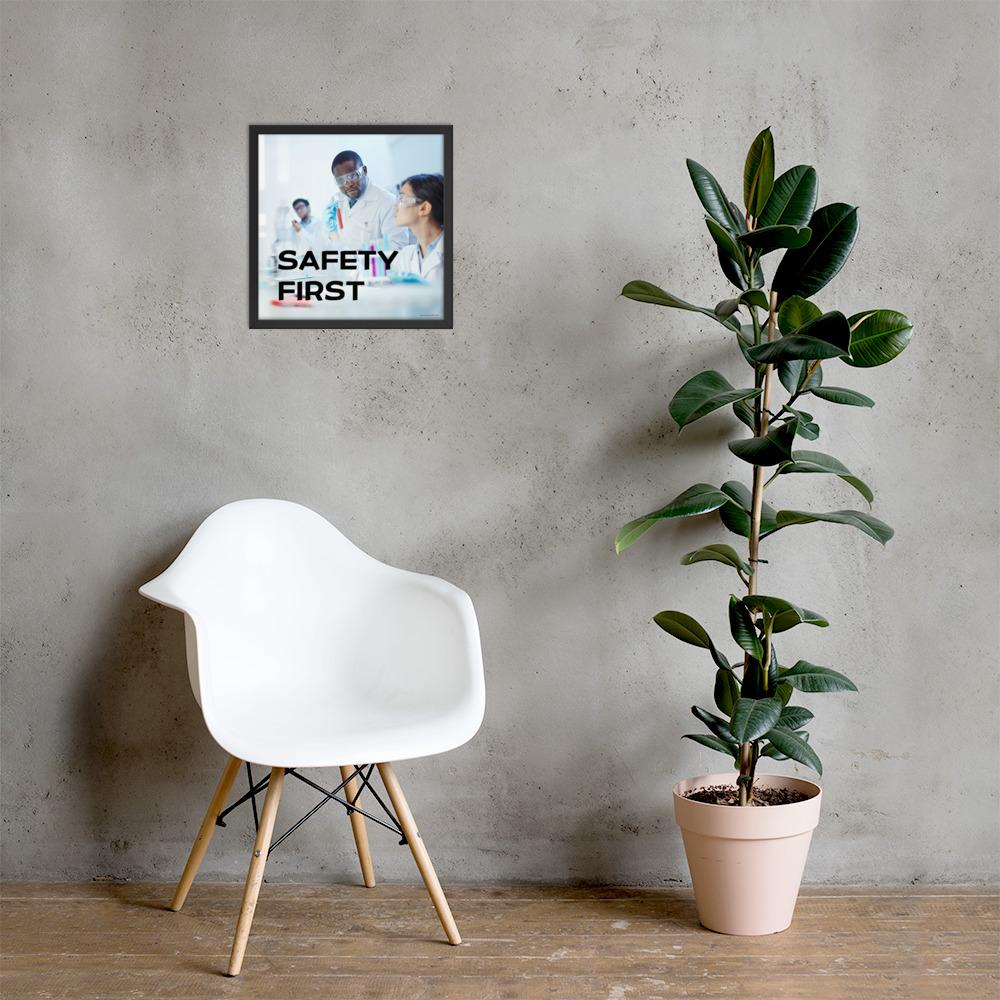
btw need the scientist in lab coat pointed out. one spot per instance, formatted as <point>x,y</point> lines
<point>420,207</point>
<point>366,210</point>
<point>306,226</point>
<point>305,221</point>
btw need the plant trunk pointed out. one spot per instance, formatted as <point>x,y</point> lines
<point>748,756</point>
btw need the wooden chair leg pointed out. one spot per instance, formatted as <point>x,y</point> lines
<point>204,837</point>
<point>419,852</point>
<point>359,828</point>
<point>256,873</point>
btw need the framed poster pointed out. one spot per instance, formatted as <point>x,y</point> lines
<point>350,226</point>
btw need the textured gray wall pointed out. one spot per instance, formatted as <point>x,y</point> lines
<point>504,454</point>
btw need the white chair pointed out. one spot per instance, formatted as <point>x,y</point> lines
<point>304,652</point>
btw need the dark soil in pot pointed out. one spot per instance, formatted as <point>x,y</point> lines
<point>729,795</point>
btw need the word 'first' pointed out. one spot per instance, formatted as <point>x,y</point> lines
<point>333,291</point>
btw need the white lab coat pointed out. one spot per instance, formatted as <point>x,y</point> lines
<point>309,234</point>
<point>310,227</point>
<point>371,218</point>
<point>409,260</point>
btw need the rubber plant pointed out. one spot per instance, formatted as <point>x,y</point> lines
<point>784,336</point>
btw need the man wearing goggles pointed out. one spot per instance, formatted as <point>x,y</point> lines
<point>361,213</point>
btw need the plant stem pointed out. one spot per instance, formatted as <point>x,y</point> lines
<point>747,755</point>
<point>746,773</point>
<point>758,470</point>
<point>766,663</point>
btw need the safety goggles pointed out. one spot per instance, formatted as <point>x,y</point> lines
<point>344,179</point>
<point>406,200</point>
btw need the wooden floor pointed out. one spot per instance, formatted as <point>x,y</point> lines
<point>336,941</point>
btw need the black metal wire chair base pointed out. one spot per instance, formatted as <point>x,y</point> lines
<point>349,803</point>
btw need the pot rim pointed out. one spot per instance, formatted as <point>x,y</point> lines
<point>727,778</point>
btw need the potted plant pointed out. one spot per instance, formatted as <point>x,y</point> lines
<point>746,841</point>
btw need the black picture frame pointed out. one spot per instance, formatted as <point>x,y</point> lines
<point>267,323</point>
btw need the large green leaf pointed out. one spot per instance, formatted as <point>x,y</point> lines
<point>706,392</point>
<point>772,751</point>
<point>772,607</point>
<point>784,620</point>
<point>737,215</point>
<point>743,629</point>
<point>717,553</point>
<point>792,375</point>
<point>744,340</point>
<point>835,394</point>
<point>829,336</point>
<point>752,685</point>
<point>698,499</point>
<point>744,413</point>
<point>724,309</point>
<point>872,526</point>
<point>817,461</point>
<point>632,532</point>
<point>770,238</point>
<point>725,241</point>
<point>732,271</point>
<point>683,627</point>
<point>794,717</point>
<point>714,200</point>
<point>753,717</point>
<point>808,269</point>
<point>713,743</point>
<point>733,267</point>
<point>816,680</point>
<point>645,291</point>
<point>727,690</point>
<point>758,173</point>
<point>717,725</point>
<point>754,297</point>
<point>720,660</point>
<point>769,449</point>
<point>736,515</point>
<point>878,337</point>
<point>795,312</point>
<point>792,200</point>
<point>794,746</point>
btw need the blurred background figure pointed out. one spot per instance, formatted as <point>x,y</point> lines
<point>420,207</point>
<point>306,221</point>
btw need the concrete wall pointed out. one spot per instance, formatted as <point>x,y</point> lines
<point>501,455</point>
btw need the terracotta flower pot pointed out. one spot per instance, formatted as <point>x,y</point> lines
<point>746,862</point>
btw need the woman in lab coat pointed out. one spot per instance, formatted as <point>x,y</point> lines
<point>420,207</point>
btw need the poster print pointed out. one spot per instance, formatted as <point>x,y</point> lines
<point>350,226</point>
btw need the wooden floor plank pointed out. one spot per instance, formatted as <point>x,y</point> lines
<point>390,890</point>
<point>113,940</point>
<point>179,939</point>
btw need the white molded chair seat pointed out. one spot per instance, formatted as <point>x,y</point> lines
<point>303,651</point>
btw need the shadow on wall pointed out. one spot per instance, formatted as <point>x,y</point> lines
<point>623,822</point>
<point>143,745</point>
